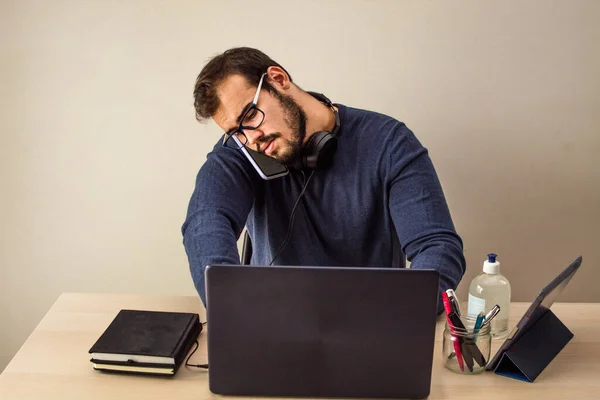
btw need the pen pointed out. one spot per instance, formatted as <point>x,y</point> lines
<point>454,300</point>
<point>490,315</point>
<point>450,314</point>
<point>467,354</point>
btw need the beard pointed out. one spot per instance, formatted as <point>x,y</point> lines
<point>295,119</point>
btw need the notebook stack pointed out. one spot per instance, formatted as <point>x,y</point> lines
<point>146,342</point>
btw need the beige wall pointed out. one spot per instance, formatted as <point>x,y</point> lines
<point>99,147</point>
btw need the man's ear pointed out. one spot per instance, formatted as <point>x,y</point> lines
<point>278,78</point>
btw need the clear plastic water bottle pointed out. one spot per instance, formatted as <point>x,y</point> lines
<point>488,289</point>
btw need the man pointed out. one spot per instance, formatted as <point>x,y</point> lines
<point>376,198</point>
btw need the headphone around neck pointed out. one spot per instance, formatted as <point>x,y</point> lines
<point>318,151</point>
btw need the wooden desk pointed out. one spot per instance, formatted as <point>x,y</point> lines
<point>54,363</point>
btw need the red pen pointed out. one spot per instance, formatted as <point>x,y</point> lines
<point>457,350</point>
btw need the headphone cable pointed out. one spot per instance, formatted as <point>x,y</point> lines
<point>291,221</point>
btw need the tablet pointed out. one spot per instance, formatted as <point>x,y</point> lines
<point>538,308</point>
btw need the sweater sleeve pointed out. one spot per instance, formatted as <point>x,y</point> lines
<point>419,210</point>
<point>217,212</point>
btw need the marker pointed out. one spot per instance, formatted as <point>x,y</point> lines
<point>450,314</point>
<point>454,301</point>
<point>478,322</point>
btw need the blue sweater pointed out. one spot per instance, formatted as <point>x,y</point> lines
<point>380,195</point>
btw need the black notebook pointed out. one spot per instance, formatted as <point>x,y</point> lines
<point>146,341</point>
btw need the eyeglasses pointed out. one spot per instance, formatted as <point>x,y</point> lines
<point>251,119</point>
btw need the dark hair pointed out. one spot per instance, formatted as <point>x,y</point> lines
<point>245,61</point>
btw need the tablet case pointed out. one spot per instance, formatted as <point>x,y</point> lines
<point>535,349</point>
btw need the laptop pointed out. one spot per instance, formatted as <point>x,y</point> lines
<point>292,331</point>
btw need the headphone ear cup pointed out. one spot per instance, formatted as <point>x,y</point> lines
<point>319,150</point>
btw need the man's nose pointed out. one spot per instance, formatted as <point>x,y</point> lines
<point>254,136</point>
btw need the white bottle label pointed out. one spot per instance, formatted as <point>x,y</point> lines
<point>476,305</point>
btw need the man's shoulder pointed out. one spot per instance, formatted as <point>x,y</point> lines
<point>221,152</point>
<point>222,161</point>
<point>358,114</point>
<point>361,123</point>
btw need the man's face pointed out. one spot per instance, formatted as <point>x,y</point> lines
<point>283,130</point>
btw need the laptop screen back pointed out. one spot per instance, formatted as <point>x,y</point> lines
<point>319,331</point>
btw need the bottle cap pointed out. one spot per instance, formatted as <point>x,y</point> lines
<point>491,266</point>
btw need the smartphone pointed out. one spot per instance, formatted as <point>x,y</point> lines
<point>267,167</point>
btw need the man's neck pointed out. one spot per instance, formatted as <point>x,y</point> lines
<point>319,117</point>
